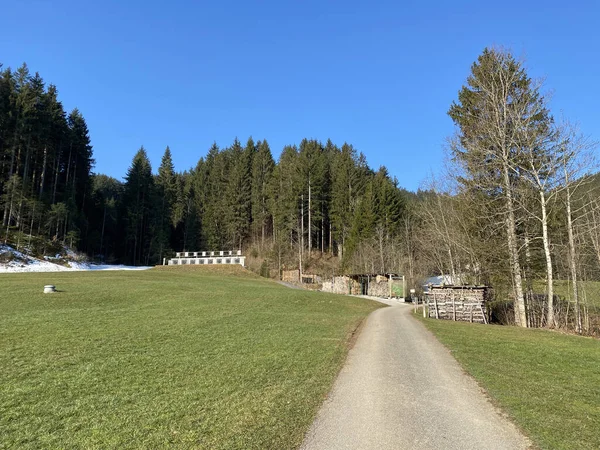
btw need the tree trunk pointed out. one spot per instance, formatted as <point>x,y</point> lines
<point>572,254</point>
<point>102,233</point>
<point>7,208</point>
<point>309,218</point>
<point>322,231</point>
<point>43,176</point>
<point>262,228</point>
<point>68,165</point>
<point>56,172</point>
<point>381,255</point>
<point>31,229</point>
<point>515,265</point>
<point>302,224</point>
<point>550,321</point>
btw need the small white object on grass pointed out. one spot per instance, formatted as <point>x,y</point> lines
<point>49,288</point>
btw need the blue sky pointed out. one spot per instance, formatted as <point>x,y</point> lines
<point>378,74</point>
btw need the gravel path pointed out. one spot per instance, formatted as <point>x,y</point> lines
<point>401,389</point>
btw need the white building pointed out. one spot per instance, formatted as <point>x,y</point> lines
<point>200,258</point>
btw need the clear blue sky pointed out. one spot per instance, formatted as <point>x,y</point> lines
<point>378,74</point>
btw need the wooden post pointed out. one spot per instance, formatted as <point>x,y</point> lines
<point>426,297</point>
<point>453,308</point>
<point>483,314</point>
<point>437,314</point>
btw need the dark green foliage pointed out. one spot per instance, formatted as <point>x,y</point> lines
<point>316,197</point>
<point>262,172</point>
<point>238,194</point>
<point>138,206</point>
<point>166,194</point>
<point>344,193</point>
<point>50,155</point>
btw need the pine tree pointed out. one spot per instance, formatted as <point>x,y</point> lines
<point>262,171</point>
<point>344,192</point>
<point>238,193</point>
<point>166,191</point>
<point>497,115</point>
<point>312,168</point>
<point>137,206</point>
<point>284,198</point>
<point>216,171</point>
<point>105,234</point>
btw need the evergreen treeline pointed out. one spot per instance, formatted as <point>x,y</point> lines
<point>45,160</point>
<point>316,198</point>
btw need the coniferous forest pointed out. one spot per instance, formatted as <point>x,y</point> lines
<point>317,198</point>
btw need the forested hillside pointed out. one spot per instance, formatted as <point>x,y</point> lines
<point>518,208</point>
<point>317,198</point>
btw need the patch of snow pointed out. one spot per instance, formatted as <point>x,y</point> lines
<point>23,263</point>
<point>87,266</point>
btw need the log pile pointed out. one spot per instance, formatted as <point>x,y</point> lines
<point>462,303</point>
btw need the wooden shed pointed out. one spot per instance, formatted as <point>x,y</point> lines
<point>464,303</point>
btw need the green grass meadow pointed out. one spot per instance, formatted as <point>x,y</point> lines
<point>589,291</point>
<point>180,357</point>
<point>548,383</point>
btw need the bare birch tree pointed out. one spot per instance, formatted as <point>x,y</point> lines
<point>577,162</point>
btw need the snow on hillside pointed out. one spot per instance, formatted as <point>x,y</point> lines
<point>18,262</point>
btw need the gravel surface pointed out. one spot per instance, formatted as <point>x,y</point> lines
<point>401,389</point>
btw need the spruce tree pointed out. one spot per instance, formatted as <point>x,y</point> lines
<point>137,206</point>
<point>166,191</point>
<point>262,171</point>
<point>497,115</point>
<point>238,193</point>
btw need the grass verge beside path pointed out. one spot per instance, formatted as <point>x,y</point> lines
<point>548,383</point>
<point>179,358</point>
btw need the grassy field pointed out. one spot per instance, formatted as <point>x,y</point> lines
<point>549,383</point>
<point>589,291</point>
<point>184,357</point>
